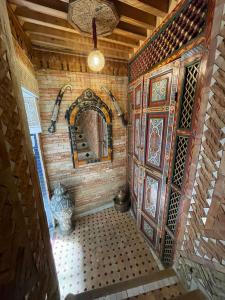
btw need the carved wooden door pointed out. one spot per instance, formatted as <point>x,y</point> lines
<point>157,127</point>
<point>134,153</point>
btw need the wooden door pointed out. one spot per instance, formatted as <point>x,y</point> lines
<point>181,152</point>
<point>157,127</point>
<point>134,150</point>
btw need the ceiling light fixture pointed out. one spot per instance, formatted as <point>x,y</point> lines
<point>96,60</point>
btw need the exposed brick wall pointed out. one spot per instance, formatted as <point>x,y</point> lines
<point>95,184</point>
<point>89,125</point>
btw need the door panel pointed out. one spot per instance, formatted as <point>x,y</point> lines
<point>148,230</point>
<point>155,140</point>
<point>152,191</point>
<point>159,90</point>
<point>134,206</point>
<point>135,180</point>
<point>138,97</point>
<point>137,130</point>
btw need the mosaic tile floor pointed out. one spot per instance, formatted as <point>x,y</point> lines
<point>104,248</point>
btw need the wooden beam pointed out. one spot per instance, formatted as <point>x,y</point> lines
<point>30,28</point>
<point>157,8</point>
<point>74,47</point>
<point>38,18</point>
<point>131,31</point>
<point>41,6</point>
<point>131,15</point>
<point>59,9</point>
<point>17,29</point>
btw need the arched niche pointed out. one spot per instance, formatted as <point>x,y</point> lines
<point>87,101</point>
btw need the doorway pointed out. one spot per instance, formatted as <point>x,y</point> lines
<point>33,118</point>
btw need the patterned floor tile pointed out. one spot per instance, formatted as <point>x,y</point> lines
<point>104,248</point>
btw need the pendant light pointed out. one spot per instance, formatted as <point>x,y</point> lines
<point>96,60</point>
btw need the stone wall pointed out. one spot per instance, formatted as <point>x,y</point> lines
<point>92,185</point>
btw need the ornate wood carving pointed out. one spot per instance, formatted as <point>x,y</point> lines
<point>155,140</point>
<point>184,26</point>
<point>88,101</point>
<point>82,12</point>
<point>148,230</point>
<point>152,192</point>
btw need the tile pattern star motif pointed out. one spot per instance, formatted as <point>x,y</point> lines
<point>105,248</point>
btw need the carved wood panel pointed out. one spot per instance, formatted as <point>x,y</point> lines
<point>138,97</point>
<point>155,140</point>
<point>159,90</point>
<point>152,191</point>
<point>148,230</point>
<point>137,134</point>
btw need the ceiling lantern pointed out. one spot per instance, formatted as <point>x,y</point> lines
<point>95,18</point>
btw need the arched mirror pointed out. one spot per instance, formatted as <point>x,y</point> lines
<point>90,129</point>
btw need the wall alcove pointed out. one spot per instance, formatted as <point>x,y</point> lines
<point>89,144</point>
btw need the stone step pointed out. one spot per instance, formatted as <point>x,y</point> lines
<point>168,288</point>
<point>130,288</point>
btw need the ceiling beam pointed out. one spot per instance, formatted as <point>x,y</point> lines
<point>141,33</point>
<point>65,46</point>
<point>135,16</point>
<point>157,8</point>
<point>129,34</point>
<point>27,15</point>
<point>30,28</point>
<point>59,9</point>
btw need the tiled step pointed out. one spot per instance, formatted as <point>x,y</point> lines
<point>129,288</point>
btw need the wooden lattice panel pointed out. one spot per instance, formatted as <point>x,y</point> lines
<point>181,29</point>
<point>188,97</point>
<point>26,263</point>
<point>180,160</point>
<point>203,244</point>
<point>173,208</point>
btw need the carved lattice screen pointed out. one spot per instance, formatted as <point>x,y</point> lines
<point>184,129</point>
<point>26,263</point>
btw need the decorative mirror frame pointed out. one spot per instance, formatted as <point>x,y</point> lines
<point>88,100</point>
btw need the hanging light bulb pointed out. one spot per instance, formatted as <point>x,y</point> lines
<point>96,60</point>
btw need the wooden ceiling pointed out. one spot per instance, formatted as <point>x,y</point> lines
<point>45,23</point>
